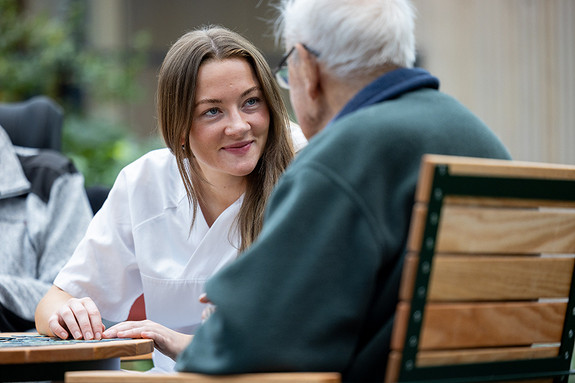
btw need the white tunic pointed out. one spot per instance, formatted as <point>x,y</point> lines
<point>140,242</point>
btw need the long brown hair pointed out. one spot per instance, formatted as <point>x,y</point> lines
<point>177,83</point>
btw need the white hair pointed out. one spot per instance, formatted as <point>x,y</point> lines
<point>352,37</point>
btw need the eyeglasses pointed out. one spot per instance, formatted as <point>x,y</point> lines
<point>281,72</point>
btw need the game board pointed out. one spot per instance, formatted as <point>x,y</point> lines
<point>33,357</point>
<point>34,340</point>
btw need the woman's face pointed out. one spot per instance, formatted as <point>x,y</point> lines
<point>231,120</point>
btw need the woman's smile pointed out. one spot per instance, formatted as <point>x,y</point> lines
<point>239,148</point>
<point>231,120</point>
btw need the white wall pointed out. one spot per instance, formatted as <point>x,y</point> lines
<point>512,62</point>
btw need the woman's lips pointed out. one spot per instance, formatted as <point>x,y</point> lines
<point>239,147</point>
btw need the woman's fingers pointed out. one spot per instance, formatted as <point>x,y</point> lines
<point>68,318</point>
<point>203,298</point>
<point>56,328</point>
<point>95,319</point>
<point>167,341</point>
<point>210,308</point>
<point>207,312</point>
<point>128,329</point>
<point>82,319</point>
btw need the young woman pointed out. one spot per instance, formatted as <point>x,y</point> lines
<point>177,215</point>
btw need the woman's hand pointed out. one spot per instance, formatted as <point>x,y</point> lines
<point>167,341</point>
<point>78,317</point>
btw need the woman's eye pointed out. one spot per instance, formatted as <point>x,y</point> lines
<point>211,112</point>
<point>252,101</point>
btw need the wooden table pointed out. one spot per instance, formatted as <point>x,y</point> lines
<point>50,362</point>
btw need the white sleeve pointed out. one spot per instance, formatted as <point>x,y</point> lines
<point>297,136</point>
<point>103,266</point>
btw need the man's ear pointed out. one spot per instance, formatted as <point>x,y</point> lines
<point>309,71</point>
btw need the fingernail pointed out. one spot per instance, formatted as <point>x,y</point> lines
<point>64,335</point>
<point>98,336</point>
<point>77,335</point>
<point>88,335</point>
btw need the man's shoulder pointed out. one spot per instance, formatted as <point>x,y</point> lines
<point>421,113</point>
<point>420,104</point>
<point>398,130</point>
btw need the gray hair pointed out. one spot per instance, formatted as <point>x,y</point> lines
<point>353,37</point>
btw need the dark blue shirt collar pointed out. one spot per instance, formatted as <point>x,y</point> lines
<point>390,85</point>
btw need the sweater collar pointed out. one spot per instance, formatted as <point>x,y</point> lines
<point>13,181</point>
<point>388,86</point>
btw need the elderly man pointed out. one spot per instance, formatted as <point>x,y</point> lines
<point>317,290</point>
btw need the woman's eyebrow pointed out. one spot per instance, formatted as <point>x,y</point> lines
<point>253,88</point>
<point>208,101</point>
<point>217,101</point>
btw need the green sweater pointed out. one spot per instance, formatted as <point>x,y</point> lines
<point>318,289</point>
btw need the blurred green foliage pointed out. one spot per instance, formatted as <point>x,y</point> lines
<point>100,148</point>
<point>42,55</point>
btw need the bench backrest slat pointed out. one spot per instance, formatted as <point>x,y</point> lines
<point>487,282</point>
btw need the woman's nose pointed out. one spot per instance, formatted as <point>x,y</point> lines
<point>237,124</point>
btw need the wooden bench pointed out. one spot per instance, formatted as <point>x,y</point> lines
<point>487,285</point>
<point>187,377</point>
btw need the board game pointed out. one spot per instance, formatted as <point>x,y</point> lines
<point>34,340</point>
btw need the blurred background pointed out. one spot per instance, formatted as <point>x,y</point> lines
<point>512,62</point>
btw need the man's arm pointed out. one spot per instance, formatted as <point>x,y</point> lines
<point>307,277</point>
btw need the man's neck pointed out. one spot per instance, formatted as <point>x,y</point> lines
<point>339,93</point>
